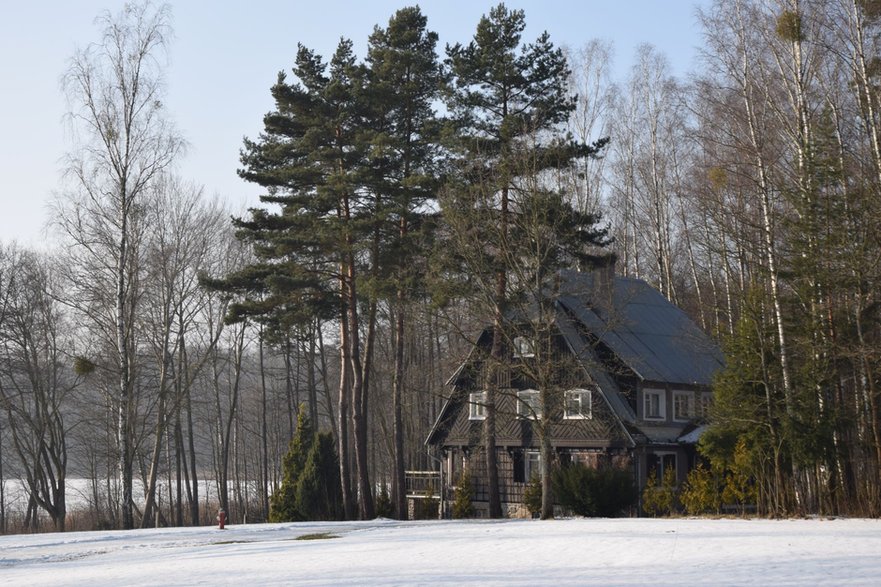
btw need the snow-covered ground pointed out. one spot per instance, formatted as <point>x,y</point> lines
<point>510,552</point>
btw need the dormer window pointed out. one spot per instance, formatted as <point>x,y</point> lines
<point>529,404</point>
<point>576,404</point>
<point>654,405</point>
<point>683,406</point>
<point>706,401</point>
<point>523,347</point>
<point>477,405</point>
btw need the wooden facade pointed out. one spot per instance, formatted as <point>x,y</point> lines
<point>629,385</point>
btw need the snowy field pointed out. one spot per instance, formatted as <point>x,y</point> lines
<point>510,552</point>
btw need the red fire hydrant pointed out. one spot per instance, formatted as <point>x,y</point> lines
<point>221,519</point>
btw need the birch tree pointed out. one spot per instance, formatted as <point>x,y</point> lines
<point>123,143</point>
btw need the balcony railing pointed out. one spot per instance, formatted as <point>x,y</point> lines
<point>423,483</point>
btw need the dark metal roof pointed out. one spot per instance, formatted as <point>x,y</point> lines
<point>606,387</point>
<point>650,335</point>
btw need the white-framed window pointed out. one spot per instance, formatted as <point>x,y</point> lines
<point>577,404</point>
<point>654,404</point>
<point>529,404</point>
<point>455,465</point>
<point>523,347</point>
<point>706,401</point>
<point>527,464</point>
<point>477,405</point>
<point>532,464</point>
<point>683,406</point>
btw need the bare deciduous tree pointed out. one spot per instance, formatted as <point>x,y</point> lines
<point>35,380</point>
<point>124,141</point>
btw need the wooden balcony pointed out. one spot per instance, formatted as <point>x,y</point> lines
<point>423,483</point>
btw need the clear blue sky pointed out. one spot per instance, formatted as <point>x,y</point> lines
<point>224,58</point>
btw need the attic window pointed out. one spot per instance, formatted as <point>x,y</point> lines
<point>477,405</point>
<point>654,405</point>
<point>683,406</point>
<point>529,404</point>
<point>523,347</point>
<point>576,404</point>
<point>706,401</point>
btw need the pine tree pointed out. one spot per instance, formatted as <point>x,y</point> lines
<point>749,411</point>
<point>404,76</point>
<point>309,158</point>
<point>348,155</point>
<point>507,101</point>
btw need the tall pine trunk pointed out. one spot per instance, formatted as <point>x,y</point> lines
<point>359,429</point>
<point>497,363</point>
<point>343,411</point>
<point>399,488</point>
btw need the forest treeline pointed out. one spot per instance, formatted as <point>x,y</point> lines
<point>161,352</point>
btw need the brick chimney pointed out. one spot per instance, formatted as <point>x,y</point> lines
<point>604,280</point>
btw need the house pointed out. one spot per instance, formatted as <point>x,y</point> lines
<point>632,377</point>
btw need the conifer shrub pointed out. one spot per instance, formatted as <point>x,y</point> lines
<point>532,496</point>
<point>701,492</point>
<point>282,504</point>
<point>463,506</point>
<point>659,498</point>
<point>573,488</point>
<point>318,493</point>
<point>310,487</point>
<point>740,488</point>
<point>588,492</point>
<point>383,506</point>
